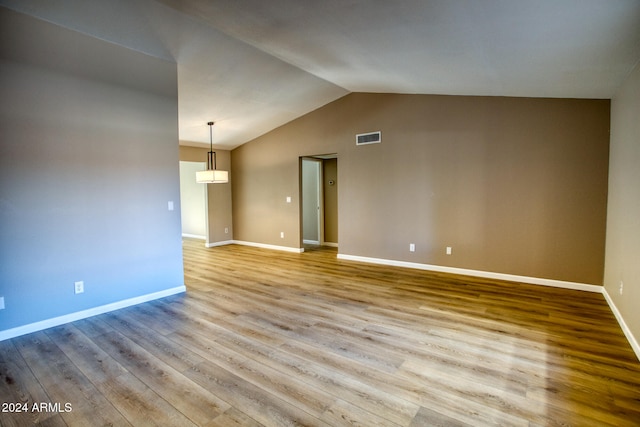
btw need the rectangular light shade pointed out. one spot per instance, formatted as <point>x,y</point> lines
<point>212,177</point>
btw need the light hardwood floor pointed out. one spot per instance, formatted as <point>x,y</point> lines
<point>272,338</point>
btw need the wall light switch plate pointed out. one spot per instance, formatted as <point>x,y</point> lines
<point>170,205</point>
<point>412,247</point>
<point>288,199</point>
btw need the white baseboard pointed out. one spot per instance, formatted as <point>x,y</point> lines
<point>266,246</point>
<point>255,245</point>
<point>222,243</point>
<point>476,273</point>
<point>194,236</point>
<point>316,242</point>
<point>513,278</point>
<point>627,332</point>
<point>78,315</point>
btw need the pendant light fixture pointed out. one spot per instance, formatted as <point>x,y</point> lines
<point>211,175</point>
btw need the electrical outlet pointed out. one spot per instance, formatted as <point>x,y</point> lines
<point>448,250</point>
<point>226,230</point>
<point>288,199</point>
<point>282,234</point>
<point>1,303</point>
<point>79,287</point>
<point>621,286</point>
<point>412,247</point>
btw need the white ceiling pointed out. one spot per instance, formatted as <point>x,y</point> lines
<point>254,65</point>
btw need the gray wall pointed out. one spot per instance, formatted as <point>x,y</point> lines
<point>88,164</point>
<point>513,185</point>
<point>622,263</point>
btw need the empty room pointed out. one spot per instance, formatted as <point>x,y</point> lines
<point>248,213</point>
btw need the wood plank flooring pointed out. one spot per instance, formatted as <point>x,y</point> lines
<point>267,338</point>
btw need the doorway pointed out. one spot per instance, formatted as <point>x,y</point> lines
<point>319,201</point>
<point>193,201</point>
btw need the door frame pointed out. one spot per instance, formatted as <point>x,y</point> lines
<point>320,158</point>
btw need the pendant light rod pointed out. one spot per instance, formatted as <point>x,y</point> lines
<point>211,158</point>
<point>212,175</point>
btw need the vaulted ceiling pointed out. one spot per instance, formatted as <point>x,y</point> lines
<point>254,65</point>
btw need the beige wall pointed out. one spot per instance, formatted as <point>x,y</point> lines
<point>218,195</point>
<point>266,171</point>
<point>513,185</point>
<point>622,262</point>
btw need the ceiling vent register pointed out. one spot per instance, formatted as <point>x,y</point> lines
<point>369,138</point>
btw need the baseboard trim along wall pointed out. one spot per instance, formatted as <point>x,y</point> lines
<point>512,278</point>
<point>72,317</point>
<point>476,273</point>
<point>266,246</point>
<point>194,236</point>
<point>627,332</point>
<point>221,243</point>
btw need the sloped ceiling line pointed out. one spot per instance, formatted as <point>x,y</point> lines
<point>252,66</point>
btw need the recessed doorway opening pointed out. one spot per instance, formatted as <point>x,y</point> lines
<point>319,201</point>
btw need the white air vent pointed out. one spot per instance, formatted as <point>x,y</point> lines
<point>369,138</point>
